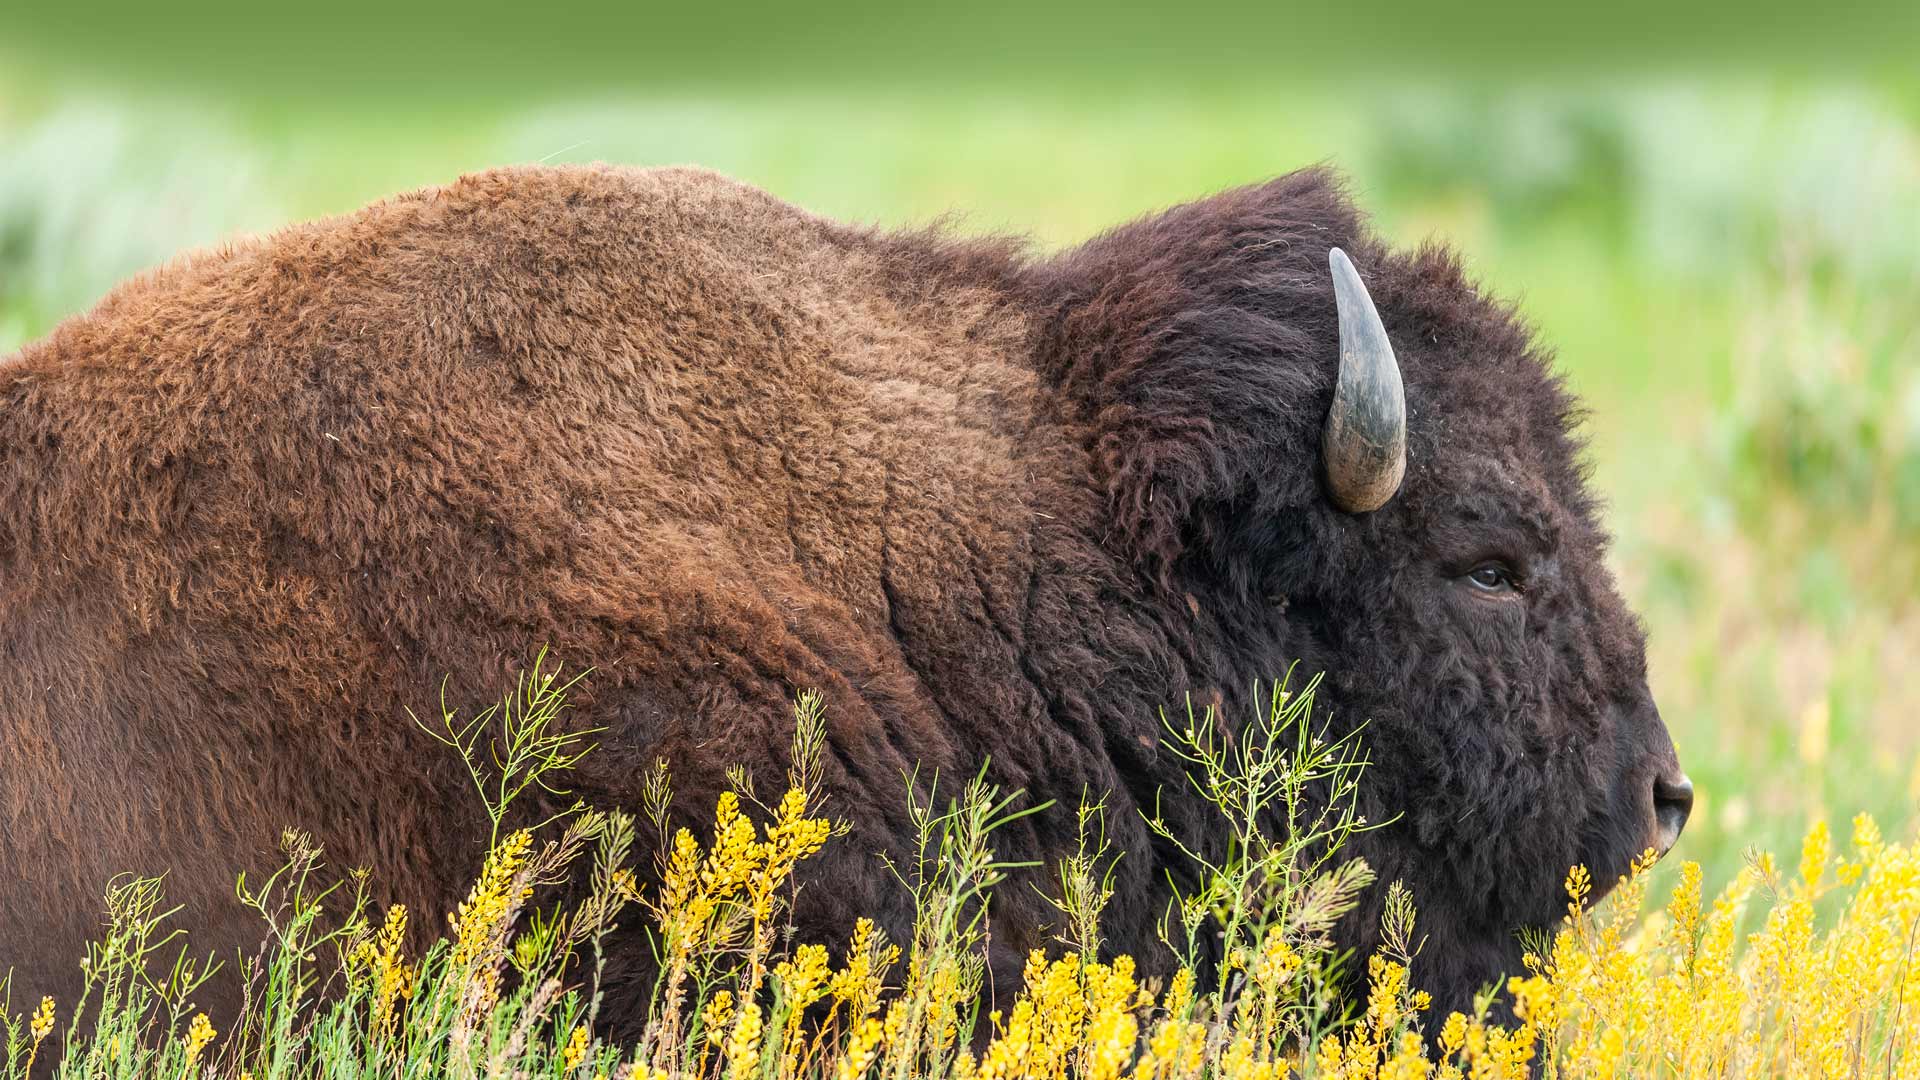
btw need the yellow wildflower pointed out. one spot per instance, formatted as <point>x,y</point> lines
<point>1180,994</point>
<point>625,885</point>
<point>199,1034</point>
<point>1453,1034</point>
<point>1276,962</point>
<point>803,980</point>
<point>716,1016</point>
<point>863,1047</point>
<point>378,957</point>
<point>42,1023</point>
<point>743,1047</point>
<point>482,917</point>
<point>858,985</point>
<point>1813,855</point>
<point>40,1026</point>
<point>1175,1048</point>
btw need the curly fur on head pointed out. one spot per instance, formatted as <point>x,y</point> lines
<point>992,505</point>
<point>1512,729</point>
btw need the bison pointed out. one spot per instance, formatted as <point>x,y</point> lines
<point>993,503</point>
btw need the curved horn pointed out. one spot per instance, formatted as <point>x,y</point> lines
<point>1365,443</point>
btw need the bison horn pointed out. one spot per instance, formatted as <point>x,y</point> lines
<point>1365,444</point>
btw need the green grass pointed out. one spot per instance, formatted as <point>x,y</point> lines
<point>1728,270</point>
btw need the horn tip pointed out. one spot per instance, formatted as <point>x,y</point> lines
<point>1346,278</point>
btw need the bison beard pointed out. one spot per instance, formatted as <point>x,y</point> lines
<point>991,503</point>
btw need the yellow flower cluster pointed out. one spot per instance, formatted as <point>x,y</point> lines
<point>482,923</point>
<point>42,1023</point>
<point>376,963</point>
<point>1259,1012</point>
<point>858,986</point>
<point>862,1049</point>
<point>715,1017</point>
<point>1675,995</point>
<point>39,1026</point>
<point>741,865</point>
<point>1681,999</point>
<point>793,836</point>
<point>1073,1018</point>
<point>1176,1049</point>
<point>743,1046</point>
<point>717,910</point>
<point>483,916</point>
<point>199,1034</point>
<point>803,980</point>
<point>1386,1043</point>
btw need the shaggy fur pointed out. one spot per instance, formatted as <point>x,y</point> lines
<point>991,504</point>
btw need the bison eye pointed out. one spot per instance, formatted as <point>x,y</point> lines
<point>1491,577</point>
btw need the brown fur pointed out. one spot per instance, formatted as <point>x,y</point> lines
<point>259,502</point>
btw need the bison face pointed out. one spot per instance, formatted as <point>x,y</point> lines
<point>1468,614</point>
<point>1368,467</point>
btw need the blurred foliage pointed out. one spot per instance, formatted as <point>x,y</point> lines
<point>368,56</point>
<point>1821,453</point>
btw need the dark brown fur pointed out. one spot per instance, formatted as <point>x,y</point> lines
<point>991,504</point>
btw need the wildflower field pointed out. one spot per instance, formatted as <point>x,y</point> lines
<point>1754,982</point>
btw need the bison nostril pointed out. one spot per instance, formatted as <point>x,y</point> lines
<point>1672,802</point>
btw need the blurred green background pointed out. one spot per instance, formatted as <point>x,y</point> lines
<point>1724,250</point>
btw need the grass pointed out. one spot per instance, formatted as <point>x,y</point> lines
<point>513,989</point>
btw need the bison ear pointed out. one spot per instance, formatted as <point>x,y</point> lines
<point>1183,482</point>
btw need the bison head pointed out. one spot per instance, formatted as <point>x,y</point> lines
<point>1523,736</point>
<point>1364,464</point>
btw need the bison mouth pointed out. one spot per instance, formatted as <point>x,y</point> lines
<point>1616,849</point>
